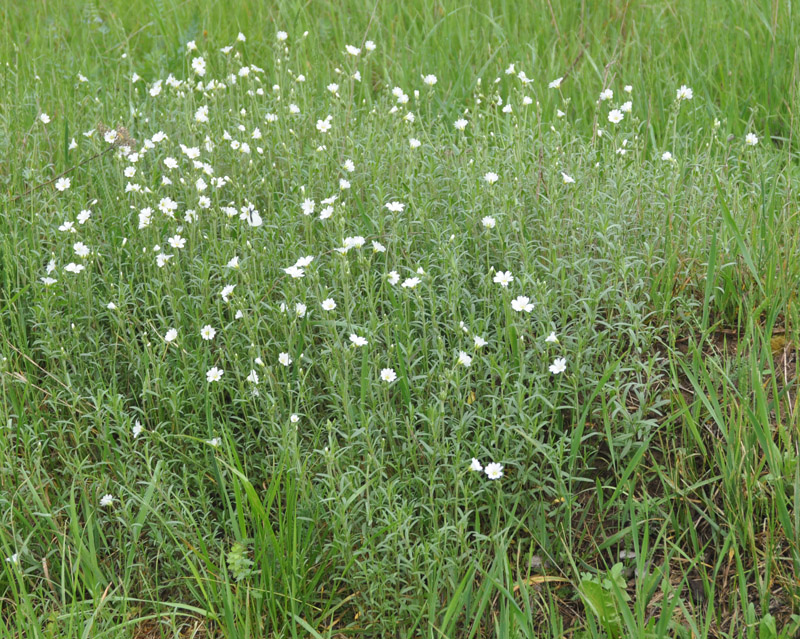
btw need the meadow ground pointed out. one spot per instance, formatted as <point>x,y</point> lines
<point>399,319</point>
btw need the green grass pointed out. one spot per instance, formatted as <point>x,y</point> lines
<point>652,489</point>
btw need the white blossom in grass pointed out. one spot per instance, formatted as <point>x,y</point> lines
<point>615,116</point>
<point>464,359</point>
<point>608,94</point>
<point>111,306</point>
<point>684,93</point>
<point>388,375</point>
<point>284,359</point>
<point>491,177</point>
<point>568,179</point>
<point>300,309</point>
<point>626,107</point>
<point>13,559</point>
<point>395,207</point>
<point>81,250</point>
<point>74,268</point>
<point>559,365</point>
<point>295,272</point>
<point>48,281</point>
<point>349,166</point>
<point>552,339</point>
<point>333,87</point>
<point>414,143</point>
<point>475,466</point>
<point>393,277</point>
<point>215,442</point>
<point>162,259</point>
<point>369,45</point>
<point>44,118</point>
<point>666,156</point>
<point>233,262</point>
<point>377,247</point>
<point>73,144</point>
<point>488,222</point>
<point>555,84</point>
<point>325,213</point>
<point>137,429</point>
<point>479,341</point>
<point>227,291</point>
<point>201,115</point>
<point>522,304</point>
<point>106,500</point>
<point>460,124</point>
<point>199,66</point>
<point>328,304</point>
<point>308,206</point>
<point>294,418</point>
<point>628,88</point>
<point>252,377</point>
<point>281,36</point>
<point>358,340</point>
<point>507,108</point>
<point>494,470</point>
<point>410,282</point>
<point>208,332</point>
<point>177,242</point>
<point>171,335</point>
<point>344,184</point>
<point>527,100</point>
<point>62,184</point>
<point>323,126</point>
<point>751,139</point>
<point>429,80</point>
<point>354,51</point>
<point>503,278</point>
<point>214,374</point>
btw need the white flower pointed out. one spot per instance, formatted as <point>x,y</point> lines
<point>684,93</point>
<point>328,304</point>
<point>44,118</point>
<point>294,418</point>
<point>252,377</point>
<point>357,340</point>
<point>414,143</point>
<point>488,222</point>
<point>559,365</point>
<point>74,268</point>
<point>628,88</point>
<point>666,156</point>
<point>751,139</point>
<point>208,332</point>
<point>111,306</point>
<point>233,262</point>
<point>521,304</point>
<point>295,271</point>
<point>13,559</point>
<point>49,281</point>
<point>137,429</point>
<point>608,94</point>
<point>62,184</point>
<point>475,465</point>
<point>555,84</point>
<point>393,277</point>
<point>464,359</point>
<point>430,80</point>
<point>552,339</point>
<point>349,166</point>
<point>227,291</point>
<point>615,116</point>
<point>507,108</point>
<point>626,107</point>
<point>479,341</point>
<point>177,242</point>
<point>214,374</point>
<point>491,177</point>
<point>388,375</point>
<point>201,115</point>
<point>369,45</point>
<point>352,50</point>
<point>460,124</point>
<point>395,207</point>
<point>281,36</point>
<point>199,66</point>
<point>377,247</point>
<point>171,335</point>
<point>494,470</point>
<point>567,178</point>
<point>503,278</point>
<point>284,359</point>
<point>344,184</point>
<point>333,87</point>
<point>410,282</point>
<point>216,442</point>
<point>308,206</point>
<point>106,500</point>
<point>300,309</point>
<point>323,126</point>
<point>81,250</point>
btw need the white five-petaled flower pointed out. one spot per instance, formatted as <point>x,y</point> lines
<point>567,178</point>
<point>479,341</point>
<point>137,429</point>
<point>357,340</point>
<point>106,500</point>
<point>430,80</point>
<point>62,184</point>
<point>751,139</point>
<point>615,116</point>
<point>328,304</point>
<point>252,377</point>
<point>488,222</point>
<point>493,470</point>
<point>227,291</point>
<point>388,375</point>
<point>284,359</point>
<point>503,278</point>
<point>214,374</point>
<point>684,93</point>
<point>208,332</point>
<point>464,359</point>
<point>475,465</point>
<point>393,277</point>
<point>395,207</point>
<point>522,303</point>
<point>552,339</point>
<point>460,124</point>
<point>555,84</point>
<point>491,177</point>
<point>559,365</point>
<point>410,282</point>
<point>171,335</point>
